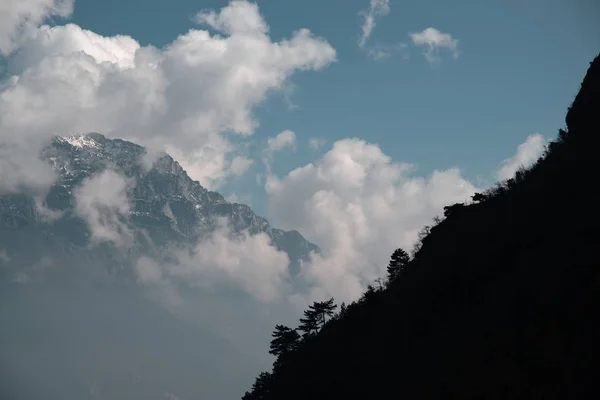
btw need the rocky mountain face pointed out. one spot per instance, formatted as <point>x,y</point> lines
<point>166,206</point>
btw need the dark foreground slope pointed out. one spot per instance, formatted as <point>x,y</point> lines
<point>501,301</point>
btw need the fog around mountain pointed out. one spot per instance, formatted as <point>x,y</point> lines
<point>114,285</point>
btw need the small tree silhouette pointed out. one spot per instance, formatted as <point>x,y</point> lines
<point>453,209</point>
<point>316,316</point>
<point>285,340</point>
<point>398,262</point>
<point>479,197</point>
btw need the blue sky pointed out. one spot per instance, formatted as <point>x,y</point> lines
<point>519,67</point>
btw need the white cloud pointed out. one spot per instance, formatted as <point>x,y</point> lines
<point>355,202</point>
<point>379,51</point>
<point>358,206</point>
<point>148,271</point>
<point>17,17</point>
<point>527,153</point>
<point>239,17</point>
<point>65,79</point>
<point>283,140</point>
<point>433,40</point>
<point>240,165</point>
<point>316,143</point>
<point>102,201</point>
<point>21,169</point>
<point>248,262</point>
<point>377,8</point>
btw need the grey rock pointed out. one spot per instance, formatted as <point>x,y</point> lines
<point>166,204</point>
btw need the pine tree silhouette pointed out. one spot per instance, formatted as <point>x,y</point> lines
<point>398,262</point>
<point>285,340</point>
<point>316,316</point>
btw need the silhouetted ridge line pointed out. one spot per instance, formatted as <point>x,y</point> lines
<point>500,299</point>
<point>584,110</point>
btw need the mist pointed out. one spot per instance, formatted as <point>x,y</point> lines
<point>76,331</point>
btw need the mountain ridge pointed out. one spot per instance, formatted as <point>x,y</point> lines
<point>165,202</point>
<point>499,300</point>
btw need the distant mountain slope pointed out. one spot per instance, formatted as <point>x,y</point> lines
<point>166,203</point>
<point>75,324</point>
<point>501,301</point>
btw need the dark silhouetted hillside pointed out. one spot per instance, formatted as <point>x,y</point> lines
<point>500,301</point>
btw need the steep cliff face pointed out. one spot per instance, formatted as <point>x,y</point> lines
<point>501,301</point>
<point>165,203</point>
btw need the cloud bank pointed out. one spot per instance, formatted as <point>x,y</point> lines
<point>358,205</point>
<point>66,79</point>
<point>19,17</point>
<point>222,260</point>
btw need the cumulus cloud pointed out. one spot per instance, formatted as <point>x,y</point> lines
<point>246,261</point>
<point>527,153</point>
<point>432,41</point>
<point>377,8</point>
<point>359,206</point>
<point>102,202</point>
<point>18,17</point>
<point>65,79</point>
<point>283,140</point>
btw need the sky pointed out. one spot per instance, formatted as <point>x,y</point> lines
<point>354,122</point>
<point>518,67</point>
